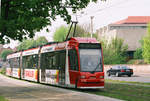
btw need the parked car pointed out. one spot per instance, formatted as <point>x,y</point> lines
<point>120,70</point>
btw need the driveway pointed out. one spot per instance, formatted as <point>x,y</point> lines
<point>145,78</point>
<point>17,90</point>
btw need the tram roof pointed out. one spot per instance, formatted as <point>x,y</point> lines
<point>84,40</point>
<point>14,55</point>
<point>35,50</point>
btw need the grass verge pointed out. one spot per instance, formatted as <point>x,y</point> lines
<point>123,91</point>
<point>127,82</point>
<point>2,98</point>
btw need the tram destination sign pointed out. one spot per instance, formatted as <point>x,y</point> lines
<point>90,45</point>
<point>31,51</point>
<point>48,48</point>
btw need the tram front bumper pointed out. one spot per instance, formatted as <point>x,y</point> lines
<point>91,80</point>
<point>91,83</point>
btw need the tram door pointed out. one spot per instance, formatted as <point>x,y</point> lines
<point>62,62</point>
<point>43,75</point>
<point>43,65</point>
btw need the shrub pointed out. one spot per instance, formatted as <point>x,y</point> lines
<point>4,54</point>
<point>138,54</point>
<point>146,46</point>
<point>3,71</point>
<point>114,52</point>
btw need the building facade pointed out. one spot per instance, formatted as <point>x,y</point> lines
<point>131,30</point>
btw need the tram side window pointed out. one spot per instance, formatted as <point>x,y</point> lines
<point>49,60</point>
<point>14,62</point>
<point>73,59</point>
<point>62,59</point>
<point>11,63</point>
<point>46,61</point>
<point>30,61</point>
<point>56,60</point>
<point>52,60</point>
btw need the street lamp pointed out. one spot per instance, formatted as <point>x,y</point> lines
<point>92,26</point>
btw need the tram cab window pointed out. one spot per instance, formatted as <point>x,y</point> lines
<point>73,60</point>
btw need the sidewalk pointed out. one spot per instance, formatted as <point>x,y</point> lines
<point>143,74</point>
<point>17,90</point>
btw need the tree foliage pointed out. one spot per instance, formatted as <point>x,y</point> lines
<point>4,54</point>
<point>146,46</point>
<point>22,18</point>
<point>61,33</point>
<point>138,53</point>
<point>40,41</point>
<point>26,44</point>
<point>81,31</point>
<point>114,52</point>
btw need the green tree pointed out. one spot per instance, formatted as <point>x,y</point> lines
<point>4,54</point>
<point>61,33</point>
<point>22,18</point>
<point>114,52</point>
<point>146,46</point>
<point>81,31</point>
<point>138,53</point>
<point>40,41</point>
<point>26,44</point>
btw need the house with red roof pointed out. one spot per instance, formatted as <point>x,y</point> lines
<point>131,30</point>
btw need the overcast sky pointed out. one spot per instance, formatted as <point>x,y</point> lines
<point>104,13</point>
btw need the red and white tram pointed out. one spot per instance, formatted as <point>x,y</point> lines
<point>76,63</point>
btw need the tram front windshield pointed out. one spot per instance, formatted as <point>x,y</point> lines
<point>91,60</point>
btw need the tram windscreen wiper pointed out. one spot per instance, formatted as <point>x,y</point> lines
<point>96,67</point>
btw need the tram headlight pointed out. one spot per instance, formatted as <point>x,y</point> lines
<point>82,77</point>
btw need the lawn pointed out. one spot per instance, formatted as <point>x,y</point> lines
<point>2,98</point>
<point>127,82</point>
<point>126,92</point>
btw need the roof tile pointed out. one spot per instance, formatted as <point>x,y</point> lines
<point>135,20</point>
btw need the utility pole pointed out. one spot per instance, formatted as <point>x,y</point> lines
<point>92,26</point>
<point>0,8</point>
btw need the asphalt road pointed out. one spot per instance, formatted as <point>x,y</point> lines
<point>17,90</point>
<point>134,78</point>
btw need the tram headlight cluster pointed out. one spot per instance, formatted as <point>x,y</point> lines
<point>82,77</point>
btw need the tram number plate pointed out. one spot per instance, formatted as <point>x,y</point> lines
<point>92,77</point>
